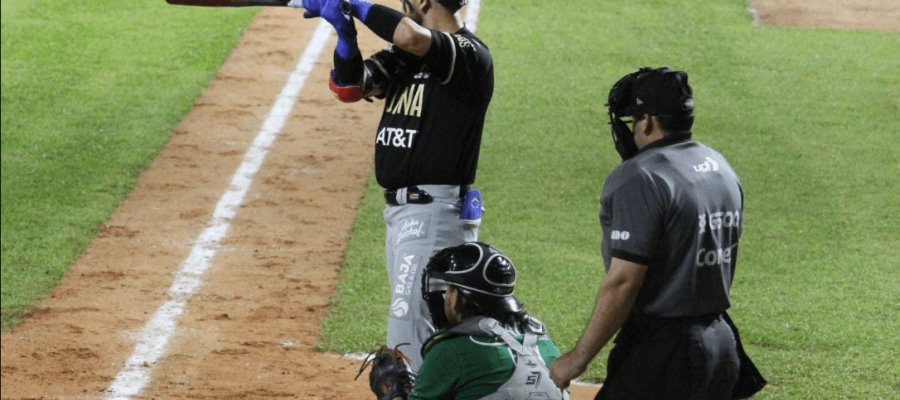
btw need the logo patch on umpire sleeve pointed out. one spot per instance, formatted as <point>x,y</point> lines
<point>620,235</point>
<point>413,228</point>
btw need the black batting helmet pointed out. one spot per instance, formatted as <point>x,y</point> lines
<point>483,275</point>
<point>453,5</point>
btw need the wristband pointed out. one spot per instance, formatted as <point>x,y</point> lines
<point>346,47</point>
<point>349,70</point>
<point>383,21</point>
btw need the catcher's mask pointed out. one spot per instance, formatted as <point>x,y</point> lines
<point>484,276</point>
<point>659,91</point>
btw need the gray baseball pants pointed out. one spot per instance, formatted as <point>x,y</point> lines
<point>414,233</point>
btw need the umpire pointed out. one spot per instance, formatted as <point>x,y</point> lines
<point>671,217</point>
<point>437,79</point>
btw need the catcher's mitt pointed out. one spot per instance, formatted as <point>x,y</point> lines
<point>390,377</point>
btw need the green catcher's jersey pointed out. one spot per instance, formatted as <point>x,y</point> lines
<point>470,366</point>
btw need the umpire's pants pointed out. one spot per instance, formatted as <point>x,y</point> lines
<point>660,359</point>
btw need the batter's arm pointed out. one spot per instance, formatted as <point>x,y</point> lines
<point>412,37</point>
<point>615,297</point>
<point>392,26</point>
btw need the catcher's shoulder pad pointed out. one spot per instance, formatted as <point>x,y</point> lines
<point>474,326</point>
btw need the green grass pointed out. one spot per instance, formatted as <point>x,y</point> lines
<point>90,92</point>
<point>808,118</point>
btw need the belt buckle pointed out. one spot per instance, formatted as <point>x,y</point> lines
<point>415,195</point>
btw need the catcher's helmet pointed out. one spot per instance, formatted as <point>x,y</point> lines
<point>483,275</point>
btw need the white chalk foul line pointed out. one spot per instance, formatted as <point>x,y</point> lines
<point>154,338</point>
<point>753,12</point>
<point>472,11</point>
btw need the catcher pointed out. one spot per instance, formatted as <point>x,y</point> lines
<point>486,347</point>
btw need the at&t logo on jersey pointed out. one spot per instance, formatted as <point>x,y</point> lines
<point>396,137</point>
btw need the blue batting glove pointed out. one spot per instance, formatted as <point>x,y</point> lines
<point>360,8</point>
<point>342,22</point>
<point>313,8</point>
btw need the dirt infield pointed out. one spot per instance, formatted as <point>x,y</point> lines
<point>881,15</point>
<point>249,330</point>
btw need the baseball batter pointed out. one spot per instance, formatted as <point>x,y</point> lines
<point>671,216</point>
<point>436,79</point>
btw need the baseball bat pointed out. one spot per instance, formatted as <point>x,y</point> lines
<point>345,4</point>
<point>229,3</point>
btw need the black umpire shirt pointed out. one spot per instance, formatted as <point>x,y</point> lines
<point>676,207</point>
<point>430,131</point>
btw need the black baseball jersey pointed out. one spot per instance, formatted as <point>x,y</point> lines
<point>430,131</point>
<point>676,207</point>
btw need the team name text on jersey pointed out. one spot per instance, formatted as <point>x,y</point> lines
<point>408,101</point>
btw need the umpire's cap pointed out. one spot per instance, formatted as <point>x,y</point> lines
<point>482,273</point>
<point>661,91</point>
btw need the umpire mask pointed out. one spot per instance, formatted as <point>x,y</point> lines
<point>484,276</point>
<point>659,91</point>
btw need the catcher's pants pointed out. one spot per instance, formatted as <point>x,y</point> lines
<point>683,359</point>
<point>414,233</point>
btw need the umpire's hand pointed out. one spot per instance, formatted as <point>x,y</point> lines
<point>566,368</point>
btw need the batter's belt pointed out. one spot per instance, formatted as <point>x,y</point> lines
<point>424,194</point>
